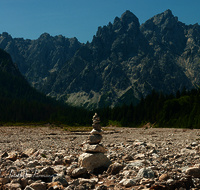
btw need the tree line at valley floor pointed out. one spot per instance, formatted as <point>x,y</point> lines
<point>20,103</point>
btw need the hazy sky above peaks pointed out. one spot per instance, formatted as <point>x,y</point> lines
<point>81,18</point>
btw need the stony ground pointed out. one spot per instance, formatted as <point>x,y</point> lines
<point>47,158</point>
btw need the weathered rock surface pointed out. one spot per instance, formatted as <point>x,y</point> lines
<point>47,54</point>
<point>115,168</point>
<point>94,139</point>
<point>124,59</point>
<point>92,161</point>
<point>79,171</point>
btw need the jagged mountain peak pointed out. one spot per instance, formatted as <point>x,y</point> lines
<point>129,17</point>
<point>44,36</point>
<point>163,19</point>
<point>124,61</point>
<point>165,29</point>
<point>167,13</point>
<point>128,23</point>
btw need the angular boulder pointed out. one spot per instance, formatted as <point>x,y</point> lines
<point>93,160</point>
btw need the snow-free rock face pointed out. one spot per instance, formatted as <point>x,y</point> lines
<point>37,59</point>
<point>124,61</point>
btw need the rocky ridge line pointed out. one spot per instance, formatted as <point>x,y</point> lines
<point>124,61</point>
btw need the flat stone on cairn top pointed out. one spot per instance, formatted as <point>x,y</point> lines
<point>96,122</point>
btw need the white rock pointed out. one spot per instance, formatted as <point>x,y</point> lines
<point>60,168</point>
<point>96,132</point>
<point>92,161</point>
<point>92,181</point>
<point>29,151</point>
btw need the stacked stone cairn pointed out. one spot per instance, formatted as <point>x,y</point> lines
<point>94,157</point>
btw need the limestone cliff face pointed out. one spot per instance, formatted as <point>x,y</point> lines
<point>124,61</point>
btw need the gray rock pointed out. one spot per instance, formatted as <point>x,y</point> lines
<point>61,179</point>
<point>145,173</point>
<point>92,161</point>
<point>94,139</point>
<point>135,163</point>
<point>94,148</point>
<point>96,127</point>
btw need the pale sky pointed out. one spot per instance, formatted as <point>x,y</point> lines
<point>80,18</point>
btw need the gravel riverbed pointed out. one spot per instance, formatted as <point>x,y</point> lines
<point>48,158</point>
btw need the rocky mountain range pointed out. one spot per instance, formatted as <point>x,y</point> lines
<point>124,61</point>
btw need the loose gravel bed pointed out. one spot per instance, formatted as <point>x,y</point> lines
<point>142,158</point>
